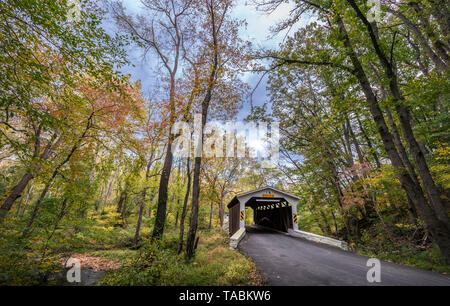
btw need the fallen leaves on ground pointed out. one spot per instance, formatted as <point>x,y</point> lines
<point>94,263</point>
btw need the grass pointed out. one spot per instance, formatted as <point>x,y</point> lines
<point>158,264</point>
<point>101,243</point>
<point>214,264</point>
<point>429,259</point>
<point>120,255</point>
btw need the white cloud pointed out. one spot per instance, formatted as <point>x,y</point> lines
<point>259,23</point>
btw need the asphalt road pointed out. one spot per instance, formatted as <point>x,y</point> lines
<point>287,261</point>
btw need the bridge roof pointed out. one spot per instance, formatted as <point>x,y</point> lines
<point>260,193</point>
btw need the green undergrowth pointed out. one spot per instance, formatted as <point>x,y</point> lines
<point>429,259</point>
<point>214,264</point>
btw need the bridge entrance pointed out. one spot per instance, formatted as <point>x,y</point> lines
<point>271,208</point>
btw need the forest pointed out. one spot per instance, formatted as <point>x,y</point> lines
<point>87,149</point>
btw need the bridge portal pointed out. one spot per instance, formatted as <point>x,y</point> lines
<point>271,208</point>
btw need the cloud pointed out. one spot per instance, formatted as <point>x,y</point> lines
<point>259,23</point>
<point>258,31</point>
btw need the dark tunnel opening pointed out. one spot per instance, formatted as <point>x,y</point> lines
<point>276,215</point>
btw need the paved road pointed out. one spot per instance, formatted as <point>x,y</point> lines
<point>289,261</point>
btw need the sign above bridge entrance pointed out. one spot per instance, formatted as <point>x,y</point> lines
<point>267,195</point>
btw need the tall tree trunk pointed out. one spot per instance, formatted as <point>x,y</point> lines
<point>210,215</point>
<point>404,114</point>
<point>160,219</point>
<point>122,197</point>
<point>139,221</point>
<point>185,202</point>
<point>15,193</point>
<point>437,228</point>
<point>18,189</point>
<point>193,222</point>
<point>369,144</point>
<point>355,142</point>
<point>221,211</point>
<point>58,167</point>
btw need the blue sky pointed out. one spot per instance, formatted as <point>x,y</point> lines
<point>257,31</point>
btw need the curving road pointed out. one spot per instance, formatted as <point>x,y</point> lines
<point>287,261</point>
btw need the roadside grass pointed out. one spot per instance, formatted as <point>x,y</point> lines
<point>429,259</point>
<point>158,264</point>
<point>214,265</point>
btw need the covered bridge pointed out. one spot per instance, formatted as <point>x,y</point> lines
<point>271,208</point>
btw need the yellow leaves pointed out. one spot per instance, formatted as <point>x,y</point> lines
<point>441,167</point>
<point>442,154</point>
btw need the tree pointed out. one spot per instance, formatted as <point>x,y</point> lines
<point>221,58</point>
<point>334,45</point>
<point>164,31</point>
<point>43,58</point>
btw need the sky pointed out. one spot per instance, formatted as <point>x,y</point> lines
<point>257,31</point>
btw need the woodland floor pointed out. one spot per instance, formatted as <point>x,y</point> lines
<point>214,264</point>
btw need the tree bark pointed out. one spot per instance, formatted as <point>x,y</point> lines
<point>437,228</point>
<point>404,114</point>
<point>139,221</point>
<point>185,202</point>
<point>221,212</point>
<point>369,144</point>
<point>18,189</point>
<point>160,219</point>
<point>210,215</point>
<point>122,197</point>
<point>193,222</point>
<point>56,170</point>
<point>422,40</point>
<point>14,194</point>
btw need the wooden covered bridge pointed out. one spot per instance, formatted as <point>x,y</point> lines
<point>271,208</point>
